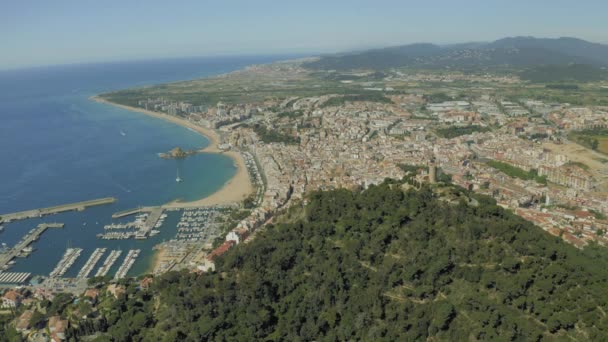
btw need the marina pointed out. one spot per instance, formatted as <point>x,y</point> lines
<point>78,206</point>
<point>127,263</point>
<point>70,256</point>
<point>141,228</point>
<point>116,235</point>
<point>14,277</point>
<point>6,258</point>
<point>149,223</point>
<point>107,264</point>
<point>90,264</point>
<point>134,176</point>
<point>198,225</point>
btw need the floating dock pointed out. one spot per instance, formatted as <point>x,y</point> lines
<point>68,259</point>
<point>14,277</point>
<point>127,263</point>
<point>151,220</point>
<point>107,264</point>
<point>33,235</point>
<point>78,206</point>
<point>143,230</point>
<point>90,264</point>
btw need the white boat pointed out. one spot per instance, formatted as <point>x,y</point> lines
<point>123,133</point>
<point>178,179</point>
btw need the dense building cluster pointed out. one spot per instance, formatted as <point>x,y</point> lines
<point>359,143</point>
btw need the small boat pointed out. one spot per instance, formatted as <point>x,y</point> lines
<point>123,133</point>
<point>178,179</point>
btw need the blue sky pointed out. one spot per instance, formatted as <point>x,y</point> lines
<point>39,32</point>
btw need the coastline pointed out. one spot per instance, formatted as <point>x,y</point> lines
<point>233,191</point>
<point>157,257</point>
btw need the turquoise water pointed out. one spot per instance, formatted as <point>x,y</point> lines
<point>57,146</point>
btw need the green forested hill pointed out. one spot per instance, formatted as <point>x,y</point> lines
<point>383,265</point>
<point>513,51</point>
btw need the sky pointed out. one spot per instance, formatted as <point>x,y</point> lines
<point>43,32</point>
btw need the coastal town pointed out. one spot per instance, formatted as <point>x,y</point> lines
<point>524,152</point>
<point>520,151</point>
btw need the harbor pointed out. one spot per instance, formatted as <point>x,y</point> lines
<point>180,232</point>
<point>141,228</point>
<point>90,264</point>
<point>127,263</point>
<point>78,206</point>
<point>108,263</point>
<point>198,225</point>
<point>6,258</point>
<point>68,259</point>
<point>97,165</point>
<point>14,277</point>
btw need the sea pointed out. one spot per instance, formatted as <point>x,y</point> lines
<point>57,146</point>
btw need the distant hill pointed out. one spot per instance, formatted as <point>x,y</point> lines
<point>522,52</point>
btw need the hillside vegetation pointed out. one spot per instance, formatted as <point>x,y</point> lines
<point>382,265</point>
<point>564,73</point>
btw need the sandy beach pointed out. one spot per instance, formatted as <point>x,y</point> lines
<point>235,190</point>
<point>158,255</point>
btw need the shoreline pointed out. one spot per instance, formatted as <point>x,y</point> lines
<point>235,190</point>
<point>157,257</point>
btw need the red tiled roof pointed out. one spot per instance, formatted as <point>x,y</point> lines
<point>221,249</point>
<point>12,295</point>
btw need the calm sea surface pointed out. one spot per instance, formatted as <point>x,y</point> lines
<point>57,146</point>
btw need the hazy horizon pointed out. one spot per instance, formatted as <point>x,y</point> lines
<point>66,32</point>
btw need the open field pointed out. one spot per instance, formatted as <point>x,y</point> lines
<point>258,83</point>
<point>580,154</point>
<point>588,137</point>
<point>254,84</point>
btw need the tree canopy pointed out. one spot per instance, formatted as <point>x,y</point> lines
<point>382,265</point>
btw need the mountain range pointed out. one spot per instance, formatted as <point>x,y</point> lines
<point>518,52</point>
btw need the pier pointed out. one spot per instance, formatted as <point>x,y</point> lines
<point>107,264</point>
<point>33,235</point>
<point>90,264</point>
<point>143,227</point>
<point>127,263</point>
<point>133,211</point>
<point>78,206</point>
<point>68,259</point>
<point>151,220</point>
<point>14,277</point>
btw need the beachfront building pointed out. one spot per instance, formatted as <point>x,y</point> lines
<point>11,299</point>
